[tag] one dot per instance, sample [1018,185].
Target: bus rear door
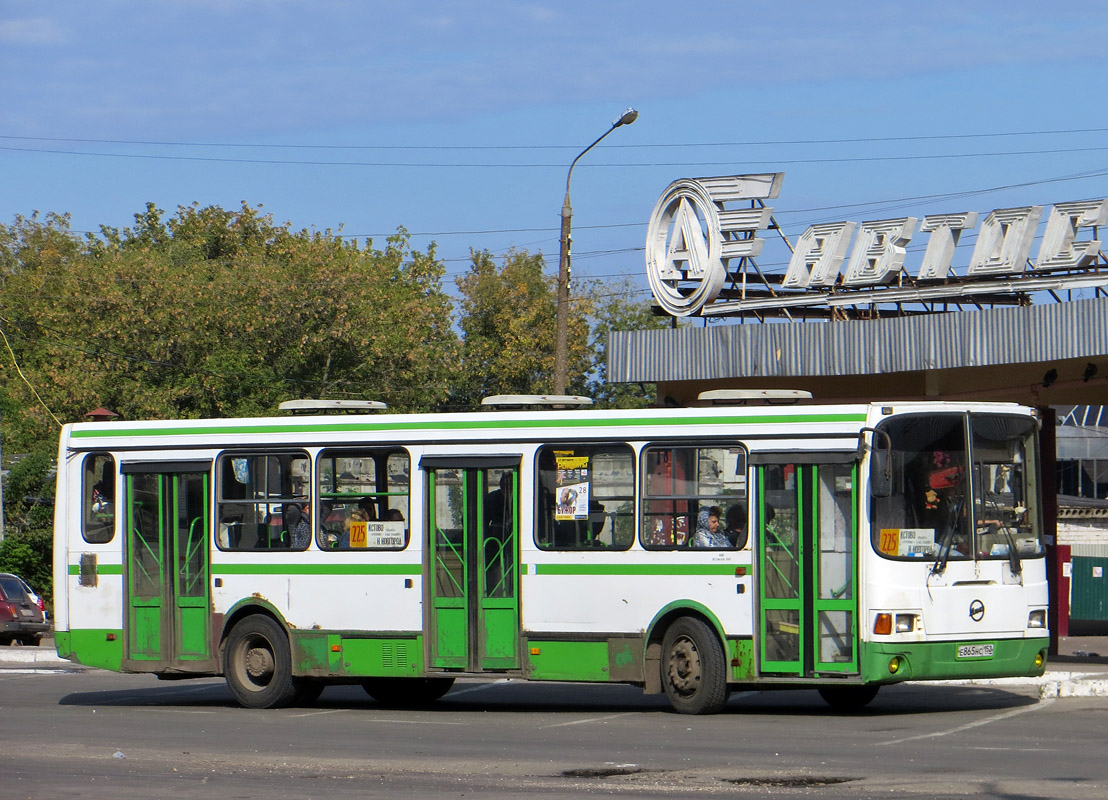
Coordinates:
[168,617]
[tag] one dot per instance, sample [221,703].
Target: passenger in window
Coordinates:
[735,525]
[498,508]
[708,533]
[396,515]
[296,525]
[364,512]
[331,527]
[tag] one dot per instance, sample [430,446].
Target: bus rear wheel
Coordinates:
[406,692]
[848,698]
[694,668]
[257,663]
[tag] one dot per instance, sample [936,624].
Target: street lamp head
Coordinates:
[628,116]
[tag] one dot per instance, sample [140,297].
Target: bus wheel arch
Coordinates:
[686,658]
[257,660]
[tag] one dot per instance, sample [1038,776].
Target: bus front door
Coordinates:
[806,544]
[473,516]
[168,623]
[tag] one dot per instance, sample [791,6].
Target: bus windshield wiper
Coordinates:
[1014,562]
[947,540]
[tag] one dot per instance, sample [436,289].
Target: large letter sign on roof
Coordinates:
[945,230]
[819,254]
[1057,249]
[879,252]
[692,235]
[1005,240]
[701,257]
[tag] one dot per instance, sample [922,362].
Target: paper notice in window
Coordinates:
[382,534]
[912,542]
[571,486]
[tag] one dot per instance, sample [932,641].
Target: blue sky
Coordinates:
[458,120]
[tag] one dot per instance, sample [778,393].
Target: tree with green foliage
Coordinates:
[507,315]
[27,547]
[214,313]
[617,310]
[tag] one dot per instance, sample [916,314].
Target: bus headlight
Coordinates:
[905,623]
[1037,619]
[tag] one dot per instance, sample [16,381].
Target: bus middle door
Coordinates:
[473,523]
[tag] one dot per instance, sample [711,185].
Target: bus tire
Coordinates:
[257,663]
[694,668]
[848,698]
[406,692]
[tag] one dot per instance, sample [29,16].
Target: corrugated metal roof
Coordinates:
[1075,329]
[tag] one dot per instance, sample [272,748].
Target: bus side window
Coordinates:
[585,497]
[363,499]
[694,497]
[253,490]
[98,498]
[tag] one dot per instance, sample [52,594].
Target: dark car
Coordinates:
[21,620]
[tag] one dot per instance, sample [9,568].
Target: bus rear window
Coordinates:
[98,498]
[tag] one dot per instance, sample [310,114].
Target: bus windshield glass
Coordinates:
[962,489]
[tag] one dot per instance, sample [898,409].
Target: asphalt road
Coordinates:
[94,734]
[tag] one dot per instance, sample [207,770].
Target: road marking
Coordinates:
[480,687]
[591,719]
[996,718]
[320,712]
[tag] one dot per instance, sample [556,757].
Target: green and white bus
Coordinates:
[688,551]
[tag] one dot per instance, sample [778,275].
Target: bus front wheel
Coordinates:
[257,663]
[694,668]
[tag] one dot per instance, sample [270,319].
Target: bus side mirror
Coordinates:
[880,474]
[881,463]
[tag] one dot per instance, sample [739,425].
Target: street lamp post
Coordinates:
[561,345]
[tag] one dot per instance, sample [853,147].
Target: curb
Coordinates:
[42,657]
[1055,683]
[1077,684]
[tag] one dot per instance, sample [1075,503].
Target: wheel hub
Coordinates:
[258,662]
[684,666]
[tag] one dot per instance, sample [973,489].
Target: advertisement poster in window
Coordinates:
[571,486]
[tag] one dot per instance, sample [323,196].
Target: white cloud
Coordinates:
[35,31]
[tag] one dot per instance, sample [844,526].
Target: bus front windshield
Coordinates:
[964,487]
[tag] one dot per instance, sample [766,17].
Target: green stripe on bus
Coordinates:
[638,569]
[101,569]
[236,427]
[316,569]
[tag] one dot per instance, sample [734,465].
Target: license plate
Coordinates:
[26,612]
[975,651]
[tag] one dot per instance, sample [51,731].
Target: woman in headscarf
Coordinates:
[708,533]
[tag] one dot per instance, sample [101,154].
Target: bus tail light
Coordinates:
[883,624]
[1037,619]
